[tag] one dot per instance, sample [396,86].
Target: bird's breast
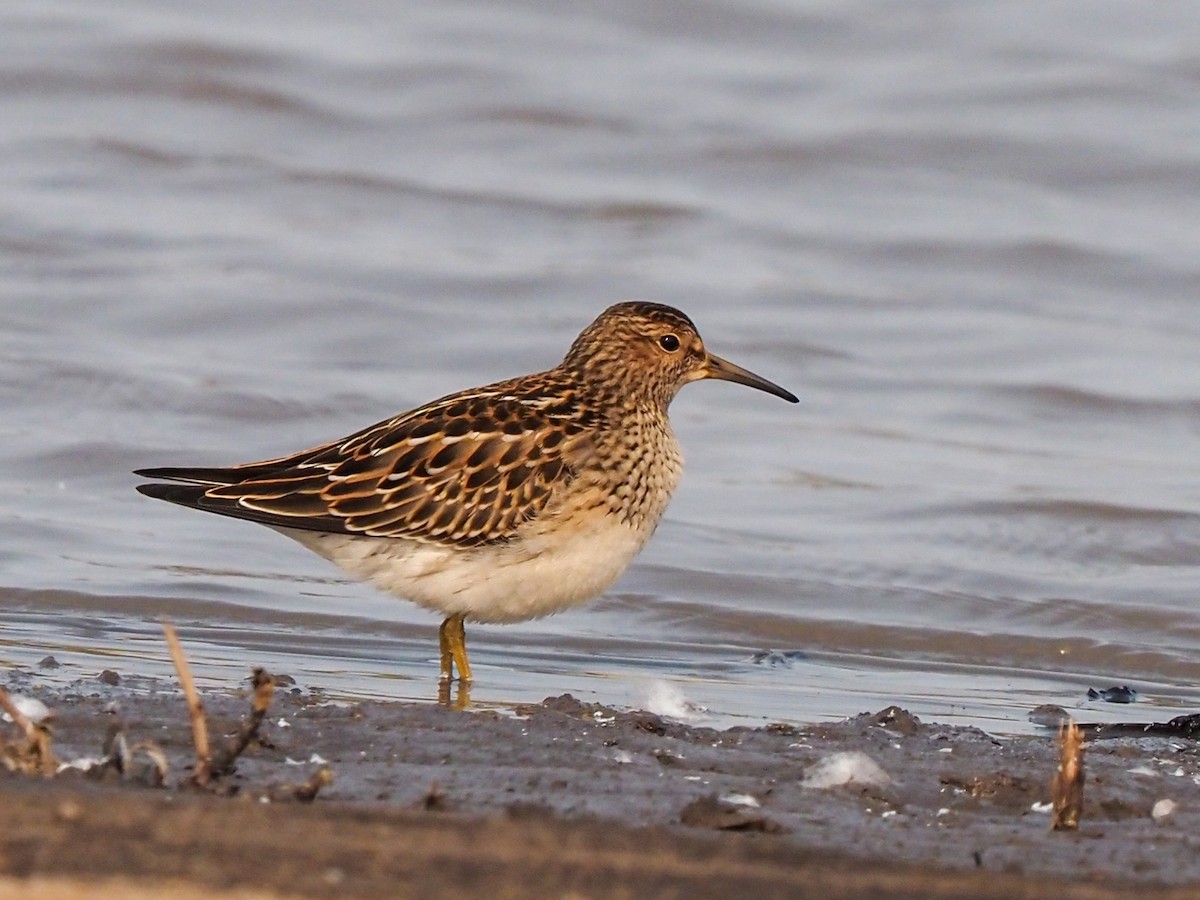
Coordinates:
[631,473]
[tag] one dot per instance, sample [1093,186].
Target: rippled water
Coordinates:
[965,234]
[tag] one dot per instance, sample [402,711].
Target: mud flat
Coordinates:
[565,799]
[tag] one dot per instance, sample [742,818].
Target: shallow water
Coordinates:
[965,235]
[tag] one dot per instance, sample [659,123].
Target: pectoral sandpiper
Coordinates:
[499,503]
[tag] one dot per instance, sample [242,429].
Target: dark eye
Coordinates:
[669,342]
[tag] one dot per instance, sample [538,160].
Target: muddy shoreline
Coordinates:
[562,797]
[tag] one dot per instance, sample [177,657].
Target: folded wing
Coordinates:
[466,470]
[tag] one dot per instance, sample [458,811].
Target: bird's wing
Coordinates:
[465,470]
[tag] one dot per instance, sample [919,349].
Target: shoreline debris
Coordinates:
[1066,787]
[211,766]
[144,762]
[34,754]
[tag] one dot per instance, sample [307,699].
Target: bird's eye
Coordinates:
[669,342]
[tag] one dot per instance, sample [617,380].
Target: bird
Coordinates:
[496,504]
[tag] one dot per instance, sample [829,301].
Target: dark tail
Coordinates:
[211,476]
[183,494]
[195,496]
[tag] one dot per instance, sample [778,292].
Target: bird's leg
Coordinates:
[446,669]
[458,646]
[462,697]
[452,638]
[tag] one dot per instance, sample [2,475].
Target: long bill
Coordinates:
[724,370]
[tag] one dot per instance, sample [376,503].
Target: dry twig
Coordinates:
[305,792]
[225,758]
[209,765]
[1066,787]
[202,773]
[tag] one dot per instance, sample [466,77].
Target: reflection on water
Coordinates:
[965,237]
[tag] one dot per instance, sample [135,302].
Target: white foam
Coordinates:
[848,767]
[741,800]
[667,700]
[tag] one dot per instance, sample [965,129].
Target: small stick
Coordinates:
[307,792]
[225,757]
[157,758]
[1066,788]
[195,708]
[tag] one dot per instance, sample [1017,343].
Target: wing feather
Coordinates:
[465,470]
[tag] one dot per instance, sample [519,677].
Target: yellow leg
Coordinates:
[452,639]
[446,669]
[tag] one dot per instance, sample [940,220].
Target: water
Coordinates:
[965,234]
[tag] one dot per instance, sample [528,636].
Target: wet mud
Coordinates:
[558,797]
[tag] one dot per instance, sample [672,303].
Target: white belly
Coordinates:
[538,575]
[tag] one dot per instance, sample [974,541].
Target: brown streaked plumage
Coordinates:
[499,503]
